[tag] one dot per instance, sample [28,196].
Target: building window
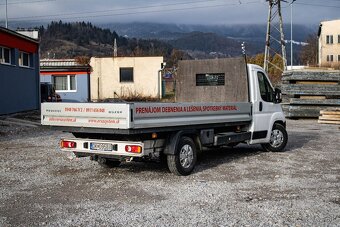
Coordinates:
[210,79]
[24,59]
[126,74]
[338,38]
[5,55]
[329,58]
[65,83]
[329,39]
[338,58]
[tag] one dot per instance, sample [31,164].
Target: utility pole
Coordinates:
[291,33]
[115,48]
[6,16]
[275,42]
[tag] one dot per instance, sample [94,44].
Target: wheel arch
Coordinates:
[173,139]
[277,118]
[280,122]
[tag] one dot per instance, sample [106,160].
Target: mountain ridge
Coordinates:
[242,31]
[199,41]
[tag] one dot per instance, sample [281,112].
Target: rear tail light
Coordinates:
[133,148]
[67,144]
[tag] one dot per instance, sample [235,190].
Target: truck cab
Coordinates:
[267,111]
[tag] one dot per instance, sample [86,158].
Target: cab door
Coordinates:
[264,108]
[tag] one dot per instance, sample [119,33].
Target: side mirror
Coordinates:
[277,95]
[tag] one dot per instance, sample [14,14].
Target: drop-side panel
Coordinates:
[142,115]
[153,115]
[92,115]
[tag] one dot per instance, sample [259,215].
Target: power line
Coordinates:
[116,10]
[49,17]
[134,13]
[23,2]
[311,4]
[332,0]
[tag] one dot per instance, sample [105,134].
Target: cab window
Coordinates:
[266,90]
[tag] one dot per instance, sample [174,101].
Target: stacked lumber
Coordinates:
[307,92]
[330,116]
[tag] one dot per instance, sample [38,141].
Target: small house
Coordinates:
[70,79]
[115,77]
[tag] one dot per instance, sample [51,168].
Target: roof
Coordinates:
[59,62]
[323,22]
[49,65]
[11,32]
[122,57]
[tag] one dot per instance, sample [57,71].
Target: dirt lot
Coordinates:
[230,187]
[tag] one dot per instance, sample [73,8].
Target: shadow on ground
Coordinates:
[297,140]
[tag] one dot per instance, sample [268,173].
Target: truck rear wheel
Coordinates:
[108,163]
[278,139]
[184,161]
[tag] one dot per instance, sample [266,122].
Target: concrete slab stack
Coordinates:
[307,92]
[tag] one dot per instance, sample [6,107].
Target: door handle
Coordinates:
[261,106]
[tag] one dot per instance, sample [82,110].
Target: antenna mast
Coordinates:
[115,48]
[6,15]
[275,38]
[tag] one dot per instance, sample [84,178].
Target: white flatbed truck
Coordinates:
[114,132]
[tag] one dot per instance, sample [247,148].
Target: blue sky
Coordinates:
[309,12]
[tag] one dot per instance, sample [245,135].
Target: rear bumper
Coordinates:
[84,148]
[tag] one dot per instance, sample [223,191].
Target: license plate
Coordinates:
[101,146]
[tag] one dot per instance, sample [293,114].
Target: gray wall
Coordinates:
[82,93]
[234,90]
[19,87]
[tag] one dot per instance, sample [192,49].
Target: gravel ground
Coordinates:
[242,186]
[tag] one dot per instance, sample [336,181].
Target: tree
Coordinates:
[309,53]
[175,56]
[257,59]
[274,73]
[83,60]
[275,70]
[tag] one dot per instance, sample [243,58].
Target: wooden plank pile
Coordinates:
[307,92]
[330,116]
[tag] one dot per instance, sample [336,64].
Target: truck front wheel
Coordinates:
[278,139]
[184,161]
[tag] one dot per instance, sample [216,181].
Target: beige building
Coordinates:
[329,42]
[113,77]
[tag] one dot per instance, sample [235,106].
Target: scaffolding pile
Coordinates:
[306,93]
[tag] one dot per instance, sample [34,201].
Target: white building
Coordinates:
[113,77]
[329,42]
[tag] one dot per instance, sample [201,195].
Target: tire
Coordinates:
[278,139]
[184,161]
[108,163]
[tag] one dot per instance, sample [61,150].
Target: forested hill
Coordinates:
[212,44]
[67,40]
[81,33]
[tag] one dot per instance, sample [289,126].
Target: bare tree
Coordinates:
[309,53]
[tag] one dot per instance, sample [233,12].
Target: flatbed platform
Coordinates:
[131,118]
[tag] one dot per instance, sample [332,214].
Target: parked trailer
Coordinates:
[114,132]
